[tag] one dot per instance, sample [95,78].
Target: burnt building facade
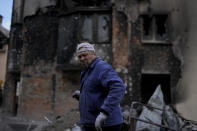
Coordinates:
[140,38]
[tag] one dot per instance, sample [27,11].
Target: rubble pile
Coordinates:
[20,124]
[50,122]
[156,116]
[67,122]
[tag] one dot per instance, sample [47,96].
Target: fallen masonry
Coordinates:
[20,124]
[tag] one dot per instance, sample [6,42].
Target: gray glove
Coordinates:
[76,94]
[99,121]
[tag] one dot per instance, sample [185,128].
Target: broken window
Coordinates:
[104,26]
[149,82]
[154,28]
[87,30]
[95,28]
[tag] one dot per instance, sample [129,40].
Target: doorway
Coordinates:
[149,82]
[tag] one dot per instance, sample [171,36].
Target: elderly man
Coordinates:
[100,93]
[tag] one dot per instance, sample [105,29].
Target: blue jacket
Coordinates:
[101,89]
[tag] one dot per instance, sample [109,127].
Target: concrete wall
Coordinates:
[186,88]
[132,57]
[3,63]
[44,89]
[17,15]
[23,8]
[183,36]
[46,92]
[32,6]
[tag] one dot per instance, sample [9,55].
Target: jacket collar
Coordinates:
[91,66]
[96,60]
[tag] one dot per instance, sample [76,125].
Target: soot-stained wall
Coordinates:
[44,87]
[135,57]
[40,35]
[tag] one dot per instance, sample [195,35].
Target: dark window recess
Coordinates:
[161,26]
[95,28]
[147,27]
[1,46]
[149,82]
[154,28]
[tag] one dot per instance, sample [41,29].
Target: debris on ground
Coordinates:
[154,115]
[67,122]
[157,116]
[20,124]
[50,122]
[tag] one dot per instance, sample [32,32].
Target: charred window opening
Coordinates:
[147,26]
[149,82]
[154,28]
[95,28]
[161,21]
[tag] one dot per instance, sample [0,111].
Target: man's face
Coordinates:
[86,57]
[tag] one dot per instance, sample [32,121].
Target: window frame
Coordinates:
[95,13]
[153,27]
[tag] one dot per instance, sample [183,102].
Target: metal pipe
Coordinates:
[149,122]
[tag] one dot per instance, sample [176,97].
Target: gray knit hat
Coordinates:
[82,47]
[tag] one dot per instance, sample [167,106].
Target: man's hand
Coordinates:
[99,121]
[76,94]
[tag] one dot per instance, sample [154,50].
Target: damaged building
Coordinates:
[148,42]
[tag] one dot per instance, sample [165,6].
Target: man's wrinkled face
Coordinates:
[86,57]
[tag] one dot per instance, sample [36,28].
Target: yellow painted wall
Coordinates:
[3,62]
